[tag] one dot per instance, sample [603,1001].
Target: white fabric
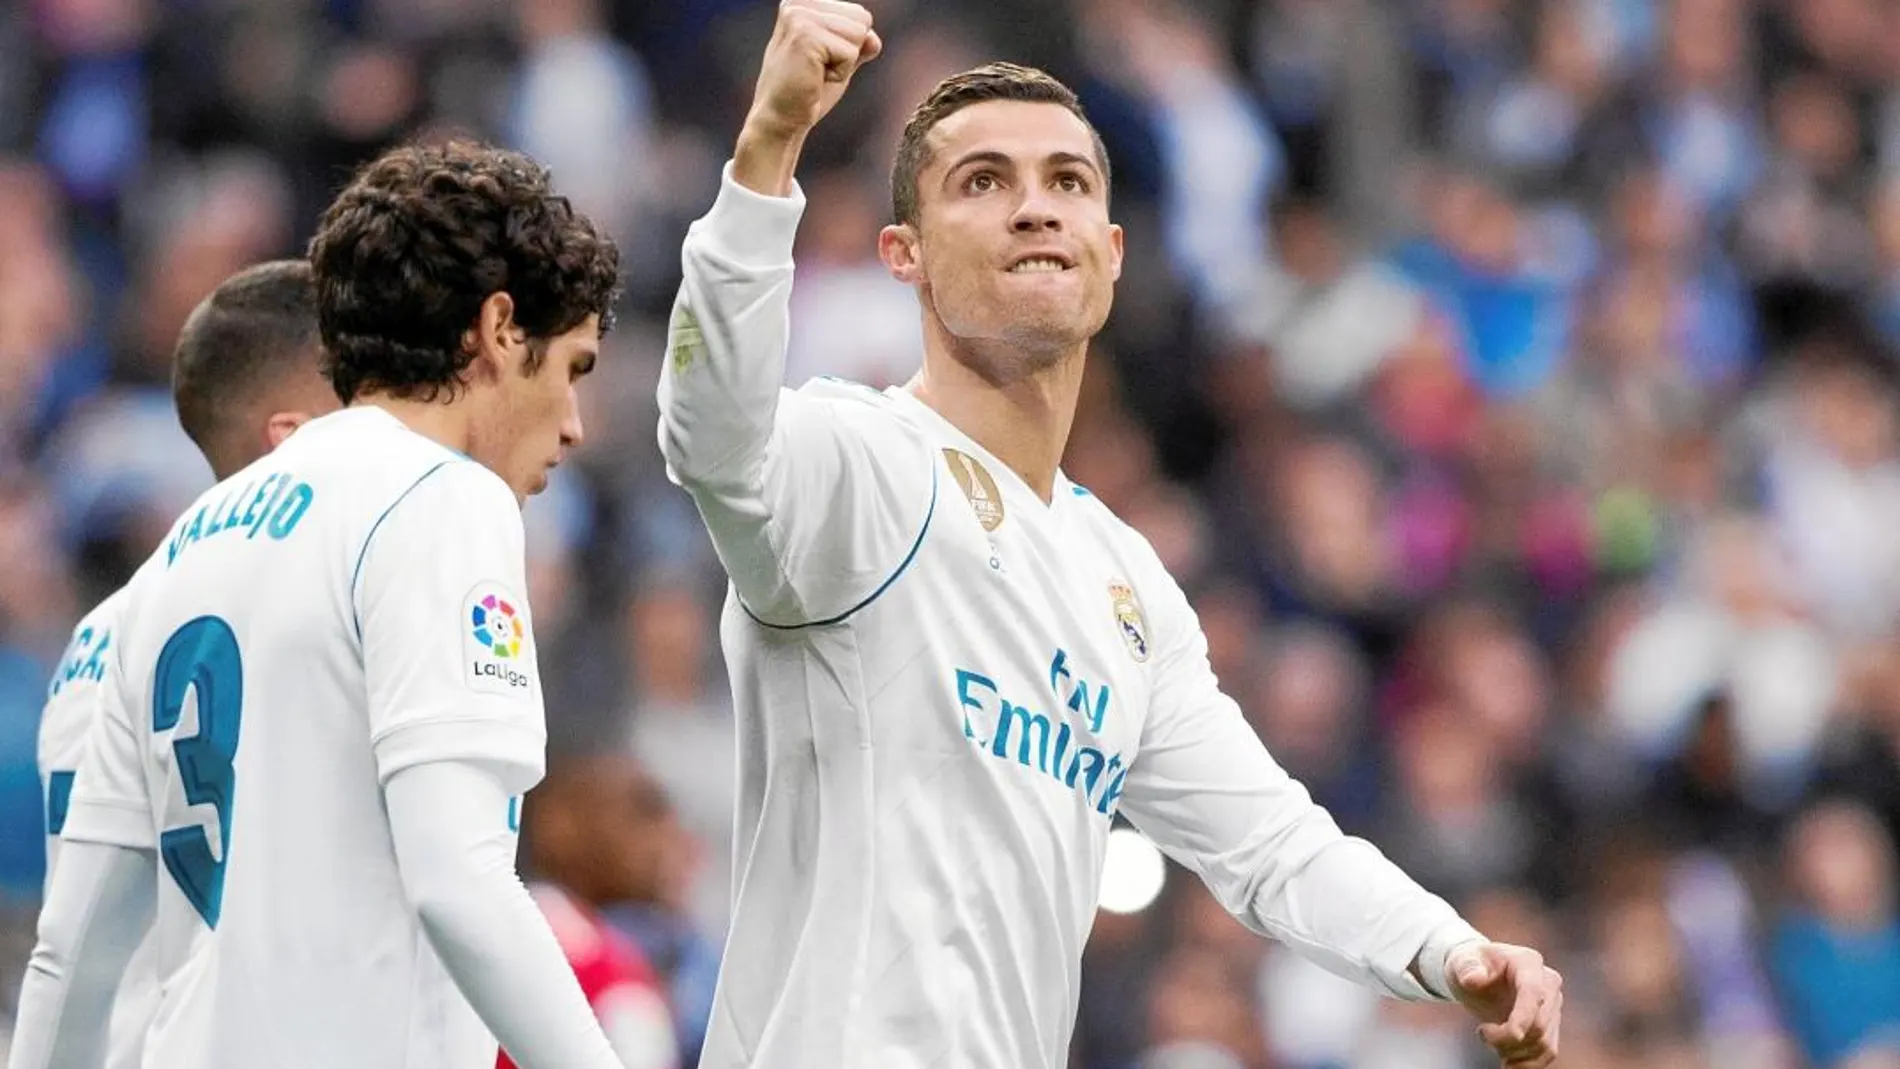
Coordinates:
[938,722]
[72,704]
[457,857]
[318,609]
[98,909]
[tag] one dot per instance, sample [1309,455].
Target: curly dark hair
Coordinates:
[991,81]
[416,242]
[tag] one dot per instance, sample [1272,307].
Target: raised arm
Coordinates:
[814,498]
[1205,790]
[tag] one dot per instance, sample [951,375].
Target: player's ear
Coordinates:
[1115,251]
[900,247]
[499,343]
[281,425]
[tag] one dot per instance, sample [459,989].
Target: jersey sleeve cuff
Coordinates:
[752,229]
[517,754]
[1435,955]
[93,820]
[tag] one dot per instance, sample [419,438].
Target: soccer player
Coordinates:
[321,704]
[244,376]
[953,667]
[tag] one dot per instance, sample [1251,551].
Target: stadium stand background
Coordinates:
[1511,383]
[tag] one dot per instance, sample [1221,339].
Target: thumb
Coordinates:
[1471,968]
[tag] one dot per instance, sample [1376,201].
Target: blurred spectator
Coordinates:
[1863,759]
[1311,706]
[1512,325]
[1325,317]
[1733,626]
[1450,821]
[683,733]
[850,318]
[582,106]
[1837,946]
[1832,481]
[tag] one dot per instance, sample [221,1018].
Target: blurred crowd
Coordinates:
[1513,384]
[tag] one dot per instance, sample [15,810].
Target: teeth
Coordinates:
[1037,265]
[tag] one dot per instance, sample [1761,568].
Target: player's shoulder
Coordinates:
[80,671]
[836,390]
[366,446]
[105,615]
[1108,527]
[376,461]
[1135,556]
[883,427]
[846,401]
[882,417]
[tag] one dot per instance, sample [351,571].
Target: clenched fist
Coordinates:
[816,47]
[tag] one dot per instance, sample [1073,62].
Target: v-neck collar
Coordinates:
[1060,489]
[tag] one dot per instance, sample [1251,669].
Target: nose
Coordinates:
[1035,213]
[572,433]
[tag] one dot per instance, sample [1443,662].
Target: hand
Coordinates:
[1517,998]
[816,46]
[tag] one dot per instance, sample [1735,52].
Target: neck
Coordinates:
[1022,421]
[448,425]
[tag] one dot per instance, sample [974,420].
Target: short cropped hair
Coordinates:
[992,81]
[423,235]
[258,325]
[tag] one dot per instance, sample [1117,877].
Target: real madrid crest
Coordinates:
[986,500]
[1128,619]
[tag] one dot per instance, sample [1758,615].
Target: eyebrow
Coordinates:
[1000,159]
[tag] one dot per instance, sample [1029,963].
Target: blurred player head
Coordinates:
[245,371]
[455,286]
[1000,198]
[603,829]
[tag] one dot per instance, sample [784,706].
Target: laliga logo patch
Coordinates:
[495,642]
[985,499]
[497,625]
[1128,619]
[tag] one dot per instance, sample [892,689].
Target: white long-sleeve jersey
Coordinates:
[320,705]
[946,690]
[73,702]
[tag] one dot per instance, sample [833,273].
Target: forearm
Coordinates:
[766,157]
[458,869]
[98,906]
[725,367]
[1342,904]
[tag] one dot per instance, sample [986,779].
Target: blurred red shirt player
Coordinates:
[614,975]
[584,857]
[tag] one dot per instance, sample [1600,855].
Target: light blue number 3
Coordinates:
[201,656]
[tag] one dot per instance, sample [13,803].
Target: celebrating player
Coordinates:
[244,375]
[321,703]
[953,667]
